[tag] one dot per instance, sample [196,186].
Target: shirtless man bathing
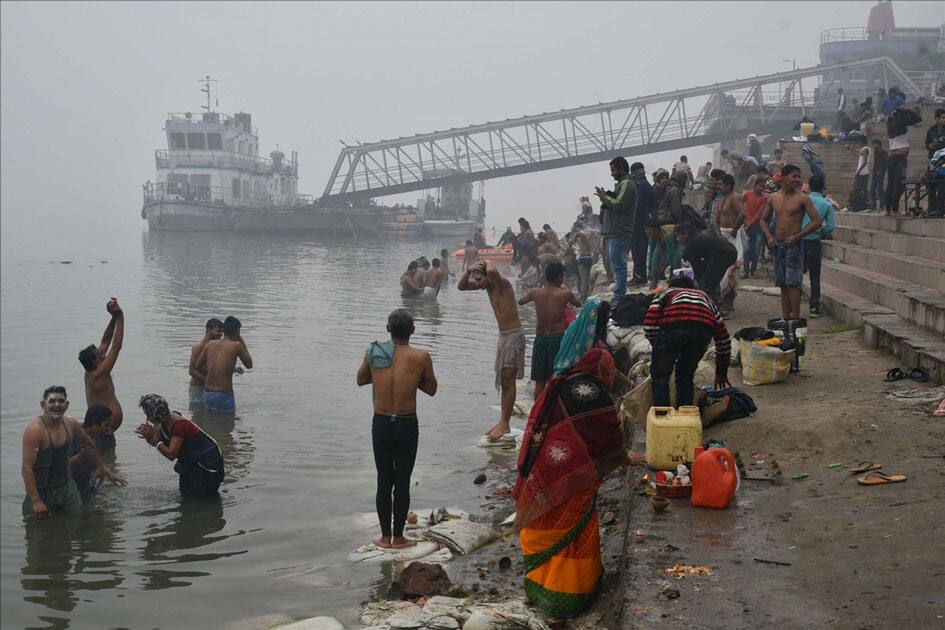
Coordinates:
[397,371]
[789,206]
[213,330]
[217,363]
[510,353]
[551,302]
[99,361]
[49,442]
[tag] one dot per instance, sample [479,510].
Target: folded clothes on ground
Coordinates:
[461,536]
[511,440]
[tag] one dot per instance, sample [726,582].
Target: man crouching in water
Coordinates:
[510,352]
[397,371]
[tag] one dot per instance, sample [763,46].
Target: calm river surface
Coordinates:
[299,457]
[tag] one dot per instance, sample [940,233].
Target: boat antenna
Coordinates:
[206,81]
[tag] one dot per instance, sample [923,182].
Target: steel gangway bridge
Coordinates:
[721,112]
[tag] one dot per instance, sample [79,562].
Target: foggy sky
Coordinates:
[86,87]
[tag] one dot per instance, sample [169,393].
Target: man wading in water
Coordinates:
[217,363]
[48,442]
[510,353]
[397,371]
[99,362]
[214,330]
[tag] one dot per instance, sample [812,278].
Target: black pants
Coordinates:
[812,262]
[638,246]
[896,167]
[678,348]
[709,276]
[395,450]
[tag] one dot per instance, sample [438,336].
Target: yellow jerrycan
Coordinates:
[672,436]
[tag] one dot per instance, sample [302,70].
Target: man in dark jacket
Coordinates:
[645,208]
[935,141]
[709,255]
[897,127]
[618,214]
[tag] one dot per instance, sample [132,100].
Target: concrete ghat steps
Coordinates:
[934,228]
[932,249]
[913,303]
[914,269]
[913,345]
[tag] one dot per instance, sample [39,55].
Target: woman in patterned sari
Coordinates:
[573,440]
[588,330]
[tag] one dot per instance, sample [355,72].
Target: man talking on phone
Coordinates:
[618,211]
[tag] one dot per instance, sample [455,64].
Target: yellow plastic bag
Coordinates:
[762,365]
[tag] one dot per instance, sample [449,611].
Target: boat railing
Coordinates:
[164,158]
[196,118]
[185,191]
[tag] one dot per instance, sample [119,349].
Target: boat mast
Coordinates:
[206,81]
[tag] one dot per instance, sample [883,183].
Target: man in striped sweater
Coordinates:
[679,324]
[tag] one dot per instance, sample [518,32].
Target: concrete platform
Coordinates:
[900,225]
[932,249]
[914,303]
[913,269]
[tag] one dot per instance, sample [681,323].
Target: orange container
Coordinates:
[714,479]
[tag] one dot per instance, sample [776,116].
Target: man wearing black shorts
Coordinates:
[397,371]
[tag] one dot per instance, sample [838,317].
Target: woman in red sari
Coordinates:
[573,440]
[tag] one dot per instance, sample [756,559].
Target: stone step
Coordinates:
[916,304]
[902,225]
[912,345]
[932,249]
[914,269]
[881,328]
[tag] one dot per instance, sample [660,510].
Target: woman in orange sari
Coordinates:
[573,440]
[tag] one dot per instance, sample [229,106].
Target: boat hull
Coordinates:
[194,216]
[464,229]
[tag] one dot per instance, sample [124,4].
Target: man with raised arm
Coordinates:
[510,353]
[397,371]
[99,361]
[217,362]
[49,442]
[789,206]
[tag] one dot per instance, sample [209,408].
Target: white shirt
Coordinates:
[899,142]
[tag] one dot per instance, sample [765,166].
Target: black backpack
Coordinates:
[631,309]
[693,218]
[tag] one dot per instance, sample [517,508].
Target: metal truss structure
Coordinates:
[720,112]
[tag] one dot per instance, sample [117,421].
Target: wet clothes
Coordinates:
[510,353]
[200,461]
[789,264]
[219,402]
[53,477]
[394,439]
[543,355]
[195,394]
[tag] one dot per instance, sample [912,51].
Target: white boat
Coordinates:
[449,227]
[211,177]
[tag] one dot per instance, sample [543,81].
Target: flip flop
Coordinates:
[919,375]
[876,478]
[863,467]
[895,374]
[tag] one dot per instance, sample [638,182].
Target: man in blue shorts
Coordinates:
[216,364]
[789,205]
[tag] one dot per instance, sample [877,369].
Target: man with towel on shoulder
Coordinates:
[397,371]
[510,354]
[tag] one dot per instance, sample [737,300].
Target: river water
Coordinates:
[299,457]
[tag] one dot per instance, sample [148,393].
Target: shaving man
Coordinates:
[397,371]
[99,361]
[789,205]
[510,352]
